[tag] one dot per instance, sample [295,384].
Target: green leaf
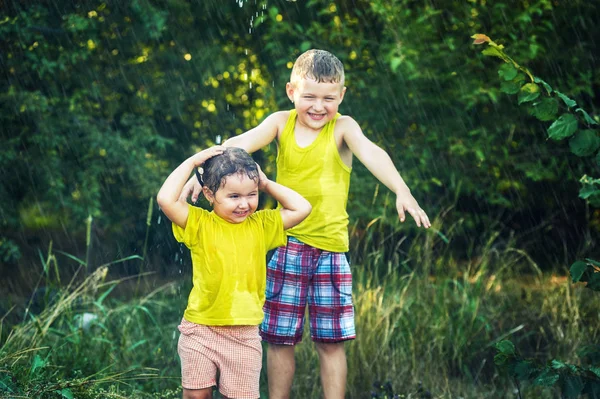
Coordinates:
[513,86]
[572,386]
[98,302]
[546,85]
[577,270]
[588,192]
[507,71]
[529,92]
[593,262]
[569,102]
[510,87]
[500,359]
[506,347]
[584,143]
[38,362]
[594,282]
[547,378]
[524,369]
[66,393]
[589,120]
[557,364]
[563,127]
[546,109]
[492,52]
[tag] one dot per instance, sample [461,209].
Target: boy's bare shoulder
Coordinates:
[345,123]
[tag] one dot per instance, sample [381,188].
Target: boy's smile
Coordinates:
[316,102]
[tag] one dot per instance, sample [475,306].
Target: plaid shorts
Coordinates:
[297,274]
[234,351]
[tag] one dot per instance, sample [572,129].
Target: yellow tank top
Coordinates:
[318,173]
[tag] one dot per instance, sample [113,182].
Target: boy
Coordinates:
[316,145]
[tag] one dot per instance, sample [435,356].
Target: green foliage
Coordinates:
[570,380]
[587,272]
[583,143]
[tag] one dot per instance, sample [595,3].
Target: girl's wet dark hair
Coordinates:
[232,161]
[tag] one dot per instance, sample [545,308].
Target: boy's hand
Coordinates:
[206,154]
[193,186]
[407,203]
[263,180]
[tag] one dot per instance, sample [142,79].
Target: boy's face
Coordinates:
[236,199]
[316,102]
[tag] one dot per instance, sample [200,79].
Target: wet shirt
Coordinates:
[318,173]
[229,265]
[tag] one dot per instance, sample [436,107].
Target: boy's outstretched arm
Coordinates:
[295,208]
[251,141]
[381,166]
[168,197]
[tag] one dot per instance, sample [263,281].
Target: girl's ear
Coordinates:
[208,195]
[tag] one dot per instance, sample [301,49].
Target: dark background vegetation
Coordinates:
[100,100]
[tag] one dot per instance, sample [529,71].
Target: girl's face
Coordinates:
[316,102]
[236,199]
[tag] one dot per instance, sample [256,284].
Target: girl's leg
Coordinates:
[205,393]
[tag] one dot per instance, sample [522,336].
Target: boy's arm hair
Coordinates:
[168,197]
[294,207]
[379,163]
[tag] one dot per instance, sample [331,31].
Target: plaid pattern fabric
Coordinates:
[234,351]
[297,275]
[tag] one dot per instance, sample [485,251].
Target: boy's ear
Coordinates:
[342,94]
[289,90]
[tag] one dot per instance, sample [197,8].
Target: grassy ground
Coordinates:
[424,331]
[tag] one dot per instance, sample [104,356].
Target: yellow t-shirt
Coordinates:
[318,173]
[229,265]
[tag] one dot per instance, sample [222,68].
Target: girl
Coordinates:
[219,330]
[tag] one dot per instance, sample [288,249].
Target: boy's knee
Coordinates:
[330,349]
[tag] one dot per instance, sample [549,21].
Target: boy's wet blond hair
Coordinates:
[320,65]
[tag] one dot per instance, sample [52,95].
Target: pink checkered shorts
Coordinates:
[234,351]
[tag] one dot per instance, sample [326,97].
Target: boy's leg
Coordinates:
[332,319]
[281,366]
[334,369]
[286,294]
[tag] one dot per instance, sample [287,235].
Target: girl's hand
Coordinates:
[206,154]
[263,180]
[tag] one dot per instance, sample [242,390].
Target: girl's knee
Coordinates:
[205,393]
